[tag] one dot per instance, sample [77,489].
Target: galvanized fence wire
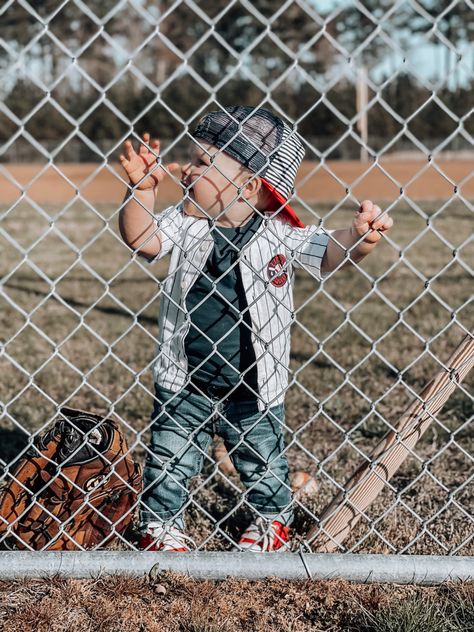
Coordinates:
[347,71]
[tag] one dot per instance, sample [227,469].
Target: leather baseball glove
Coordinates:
[75,488]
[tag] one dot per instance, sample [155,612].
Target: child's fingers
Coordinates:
[370,221]
[383,224]
[363,218]
[129,150]
[155,148]
[380,217]
[362,222]
[149,146]
[173,166]
[368,211]
[123,161]
[378,213]
[143,146]
[366,206]
[372,214]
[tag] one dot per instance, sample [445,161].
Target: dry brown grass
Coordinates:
[81,330]
[177,603]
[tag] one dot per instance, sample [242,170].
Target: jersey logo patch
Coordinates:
[274,270]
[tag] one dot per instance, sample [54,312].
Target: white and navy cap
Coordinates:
[261,142]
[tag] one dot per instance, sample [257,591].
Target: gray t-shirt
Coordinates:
[215,312]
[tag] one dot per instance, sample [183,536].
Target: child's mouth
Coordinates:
[188,187]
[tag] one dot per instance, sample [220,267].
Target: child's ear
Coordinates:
[251,187]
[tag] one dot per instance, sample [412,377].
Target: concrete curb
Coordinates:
[401,569]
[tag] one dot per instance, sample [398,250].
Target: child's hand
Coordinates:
[142,168]
[371,222]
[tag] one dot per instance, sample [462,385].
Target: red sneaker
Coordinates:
[263,536]
[165,539]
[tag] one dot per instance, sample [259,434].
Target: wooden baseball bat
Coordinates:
[345,510]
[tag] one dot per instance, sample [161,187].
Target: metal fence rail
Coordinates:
[79,314]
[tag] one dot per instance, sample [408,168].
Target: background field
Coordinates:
[79,322]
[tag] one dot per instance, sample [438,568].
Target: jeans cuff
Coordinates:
[285,516]
[147,517]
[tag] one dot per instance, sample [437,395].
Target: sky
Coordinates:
[430,61]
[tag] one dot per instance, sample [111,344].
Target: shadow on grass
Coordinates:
[72,302]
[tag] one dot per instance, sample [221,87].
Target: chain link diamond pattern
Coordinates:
[80,314]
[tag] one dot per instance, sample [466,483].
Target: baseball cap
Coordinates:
[261,142]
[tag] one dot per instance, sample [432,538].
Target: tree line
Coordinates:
[96,72]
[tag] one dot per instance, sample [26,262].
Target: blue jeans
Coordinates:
[181,433]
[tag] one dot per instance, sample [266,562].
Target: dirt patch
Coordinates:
[328,182]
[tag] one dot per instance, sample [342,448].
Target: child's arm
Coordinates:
[370,222]
[136,222]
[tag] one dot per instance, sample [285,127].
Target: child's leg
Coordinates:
[255,443]
[180,437]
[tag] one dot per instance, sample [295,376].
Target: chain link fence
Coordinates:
[79,315]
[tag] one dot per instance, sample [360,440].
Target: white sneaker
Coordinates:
[262,535]
[160,537]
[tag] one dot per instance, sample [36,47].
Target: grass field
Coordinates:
[79,322]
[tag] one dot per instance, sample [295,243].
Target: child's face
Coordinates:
[212,179]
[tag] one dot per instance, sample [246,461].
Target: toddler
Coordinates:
[226,311]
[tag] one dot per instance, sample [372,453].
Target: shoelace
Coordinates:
[263,534]
[171,537]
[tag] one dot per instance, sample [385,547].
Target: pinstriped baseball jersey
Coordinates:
[266,265]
